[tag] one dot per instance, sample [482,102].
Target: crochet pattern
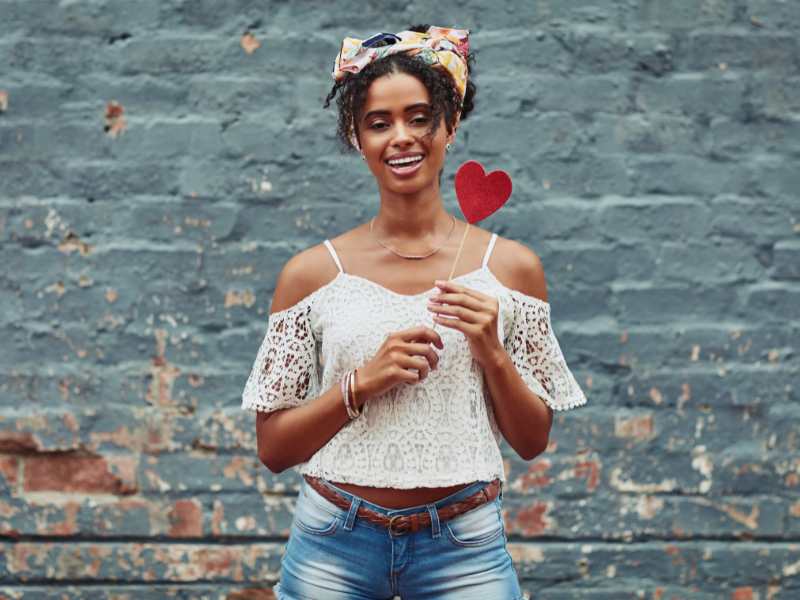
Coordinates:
[412,435]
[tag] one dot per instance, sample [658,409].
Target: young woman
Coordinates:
[391,395]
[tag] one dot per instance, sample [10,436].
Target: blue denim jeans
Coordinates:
[333,555]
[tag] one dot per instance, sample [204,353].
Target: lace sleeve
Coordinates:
[285,370]
[534,350]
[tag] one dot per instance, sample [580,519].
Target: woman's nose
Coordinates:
[402,134]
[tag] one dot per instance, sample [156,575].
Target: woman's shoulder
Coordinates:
[518,267]
[303,274]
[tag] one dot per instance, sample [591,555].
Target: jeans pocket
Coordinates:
[476,527]
[312,515]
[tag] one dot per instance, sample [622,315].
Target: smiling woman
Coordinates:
[402,488]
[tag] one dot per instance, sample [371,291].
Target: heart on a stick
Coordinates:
[479,194]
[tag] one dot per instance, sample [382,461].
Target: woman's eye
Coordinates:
[377,125]
[420,120]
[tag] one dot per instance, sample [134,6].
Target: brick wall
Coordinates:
[161,160]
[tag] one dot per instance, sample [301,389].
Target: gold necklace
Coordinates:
[452,227]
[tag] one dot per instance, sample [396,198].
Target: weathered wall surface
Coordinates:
[160,160]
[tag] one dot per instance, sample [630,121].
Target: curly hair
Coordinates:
[445,98]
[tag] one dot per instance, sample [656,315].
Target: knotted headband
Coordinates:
[439,46]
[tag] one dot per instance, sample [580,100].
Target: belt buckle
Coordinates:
[394,523]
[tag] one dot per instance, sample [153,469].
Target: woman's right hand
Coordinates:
[405,356]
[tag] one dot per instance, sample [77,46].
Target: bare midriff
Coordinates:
[397,498]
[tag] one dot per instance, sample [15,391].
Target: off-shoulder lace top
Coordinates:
[438,432]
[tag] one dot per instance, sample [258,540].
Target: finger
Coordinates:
[432,337]
[450,286]
[421,365]
[452,323]
[426,351]
[465,314]
[423,334]
[457,297]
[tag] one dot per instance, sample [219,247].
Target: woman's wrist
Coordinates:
[362,388]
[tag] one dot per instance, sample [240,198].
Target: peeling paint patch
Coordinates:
[533,520]
[72,243]
[56,288]
[87,474]
[249,42]
[748,520]
[639,427]
[115,119]
[648,506]
[163,374]
[186,518]
[701,462]
[237,298]
[666,485]
[535,477]
[656,396]
[589,470]
[744,593]
[792,569]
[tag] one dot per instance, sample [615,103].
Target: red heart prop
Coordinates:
[479,194]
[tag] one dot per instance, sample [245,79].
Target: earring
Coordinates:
[448,147]
[363,156]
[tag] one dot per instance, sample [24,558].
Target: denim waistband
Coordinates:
[454,497]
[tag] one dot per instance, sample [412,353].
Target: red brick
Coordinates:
[87,474]
[17,441]
[251,594]
[532,520]
[186,519]
[9,465]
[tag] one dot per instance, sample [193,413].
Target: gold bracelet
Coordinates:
[356,412]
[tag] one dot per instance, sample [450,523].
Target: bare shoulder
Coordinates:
[302,275]
[518,267]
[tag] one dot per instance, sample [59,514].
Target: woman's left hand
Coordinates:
[472,313]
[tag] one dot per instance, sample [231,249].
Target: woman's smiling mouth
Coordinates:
[405,165]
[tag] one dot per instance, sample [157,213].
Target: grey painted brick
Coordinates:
[787,260]
[653,148]
[708,50]
[692,93]
[679,15]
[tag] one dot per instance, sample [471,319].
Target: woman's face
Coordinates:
[393,123]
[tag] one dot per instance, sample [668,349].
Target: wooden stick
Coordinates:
[455,262]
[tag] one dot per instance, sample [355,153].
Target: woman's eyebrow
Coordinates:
[408,108]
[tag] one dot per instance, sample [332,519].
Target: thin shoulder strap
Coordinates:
[489,249]
[334,255]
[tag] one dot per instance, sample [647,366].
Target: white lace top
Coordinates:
[435,433]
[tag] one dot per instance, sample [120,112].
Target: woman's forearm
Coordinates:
[522,416]
[291,436]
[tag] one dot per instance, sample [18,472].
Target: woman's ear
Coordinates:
[452,135]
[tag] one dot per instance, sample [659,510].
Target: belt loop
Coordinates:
[435,530]
[351,515]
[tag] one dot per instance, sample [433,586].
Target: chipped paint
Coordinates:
[647,506]
[249,42]
[701,462]
[533,520]
[115,123]
[239,298]
[162,373]
[619,484]
[637,427]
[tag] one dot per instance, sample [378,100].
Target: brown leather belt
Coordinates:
[400,524]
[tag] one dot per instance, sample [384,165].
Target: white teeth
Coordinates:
[404,161]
